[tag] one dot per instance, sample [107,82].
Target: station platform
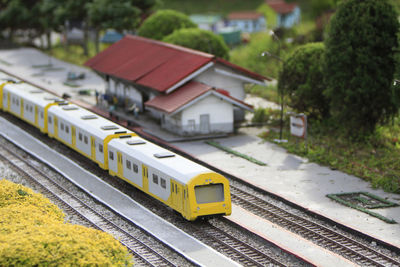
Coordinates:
[193,250]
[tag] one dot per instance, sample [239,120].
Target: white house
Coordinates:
[247,21]
[189,91]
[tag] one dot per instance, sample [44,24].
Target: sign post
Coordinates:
[298,126]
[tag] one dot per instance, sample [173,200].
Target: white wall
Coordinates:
[221,112]
[233,85]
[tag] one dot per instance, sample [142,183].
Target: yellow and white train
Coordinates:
[187,187]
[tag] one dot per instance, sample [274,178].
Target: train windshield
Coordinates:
[209,193]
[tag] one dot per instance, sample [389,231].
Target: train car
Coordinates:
[185,186]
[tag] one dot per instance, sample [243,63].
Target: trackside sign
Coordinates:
[298,125]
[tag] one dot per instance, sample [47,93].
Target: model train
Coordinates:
[185,186]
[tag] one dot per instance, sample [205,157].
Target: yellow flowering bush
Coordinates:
[32,233]
[61,245]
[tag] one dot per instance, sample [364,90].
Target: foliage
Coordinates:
[268,92]
[32,233]
[164,23]
[61,245]
[359,64]
[198,39]
[211,6]
[249,55]
[318,7]
[266,115]
[301,79]
[270,15]
[115,14]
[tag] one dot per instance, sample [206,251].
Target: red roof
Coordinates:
[147,62]
[244,15]
[186,94]
[281,7]
[154,64]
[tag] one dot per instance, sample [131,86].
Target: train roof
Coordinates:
[31,93]
[160,158]
[96,125]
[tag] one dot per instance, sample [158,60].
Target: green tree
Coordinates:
[19,14]
[301,79]
[359,64]
[115,14]
[163,23]
[198,39]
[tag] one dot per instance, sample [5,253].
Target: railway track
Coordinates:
[234,248]
[319,234]
[143,254]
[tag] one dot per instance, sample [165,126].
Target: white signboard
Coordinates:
[298,125]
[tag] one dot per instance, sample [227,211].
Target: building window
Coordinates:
[100,148]
[155,178]
[128,164]
[111,155]
[163,183]
[85,138]
[135,168]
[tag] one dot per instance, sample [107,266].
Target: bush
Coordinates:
[301,79]
[61,245]
[32,233]
[198,39]
[163,23]
[359,64]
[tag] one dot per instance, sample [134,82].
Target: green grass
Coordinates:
[374,158]
[210,6]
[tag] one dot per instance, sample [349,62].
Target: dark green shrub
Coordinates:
[163,23]
[301,79]
[359,64]
[198,39]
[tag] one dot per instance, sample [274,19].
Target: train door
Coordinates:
[93,150]
[120,164]
[176,192]
[22,108]
[55,126]
[73,133]
[36,117]
[145,176]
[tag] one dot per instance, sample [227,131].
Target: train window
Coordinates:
[135,168]
[41,114]
[109,127]
[163,183]
[50,120]
[89,117]
[17,102]
[80,137]
[111,155]
[85,139]
[172,188]
[128,164]
[26,107]
[66,129]
[155,178]
[100,148]
[62,127]
[135,142]
[31,108]
[209,193]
